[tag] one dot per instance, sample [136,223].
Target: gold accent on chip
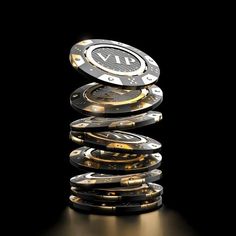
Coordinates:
[119,145]
[95,108]
[88,95]
[85,42]
[76,60]
[75,139]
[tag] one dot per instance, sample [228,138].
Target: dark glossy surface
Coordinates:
[162,222]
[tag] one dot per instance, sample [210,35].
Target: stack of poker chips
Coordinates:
[118,168]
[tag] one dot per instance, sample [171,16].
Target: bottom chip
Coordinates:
[120,194]
[109,208]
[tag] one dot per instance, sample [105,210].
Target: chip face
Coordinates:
[114,63]
[102,100]
[85,159]
[93,180]
[117,141]
[94,123]
[114,208]
[119,194]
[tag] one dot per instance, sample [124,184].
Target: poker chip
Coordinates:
[101,100]
[120,194]
[117,141]
[94,180]
[114,63]
[86,159]
[109,208]
[93,123]
[106,156]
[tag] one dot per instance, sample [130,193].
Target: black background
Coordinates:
[185,50]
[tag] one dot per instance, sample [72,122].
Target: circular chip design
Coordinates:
[85,159]
[141,193]
[94,123]
[109,208]
[114,63]
[117,141]
[101,100]
[94,180]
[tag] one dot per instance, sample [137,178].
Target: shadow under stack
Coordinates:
[118,167]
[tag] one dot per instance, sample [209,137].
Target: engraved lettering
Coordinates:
[128,60]
[103,58]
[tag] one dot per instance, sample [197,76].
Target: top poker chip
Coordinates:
[114,63]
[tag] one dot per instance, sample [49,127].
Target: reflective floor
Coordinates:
[163,222]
